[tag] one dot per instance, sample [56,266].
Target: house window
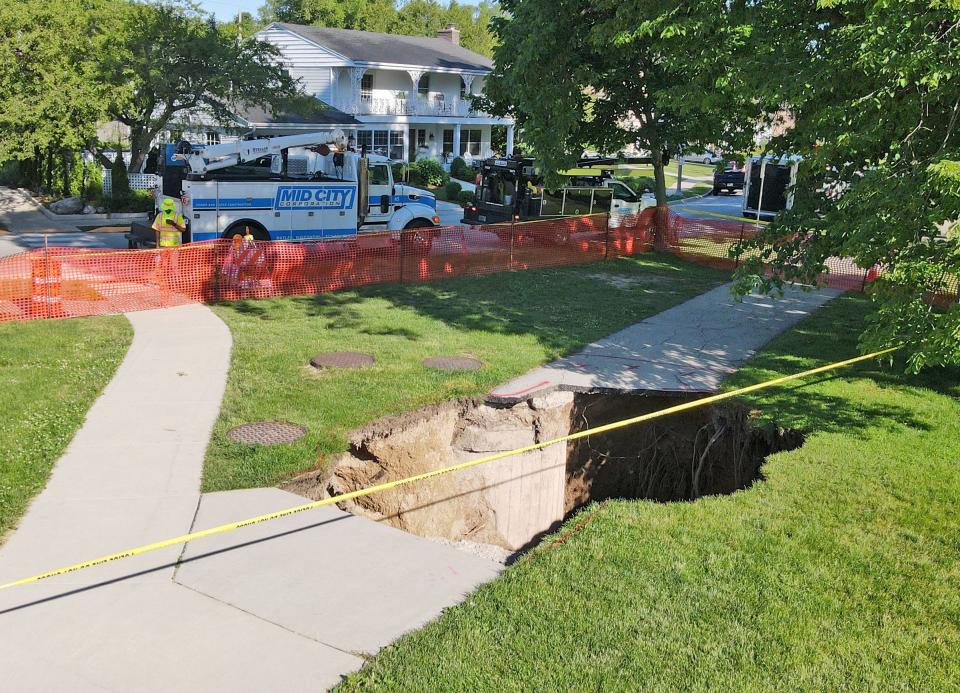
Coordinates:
[463,89]
[381,141]
[447,142]
[423,86]
[396,145]
[366,86]
[421,138]
[365,140]
[212,138]
[470,141]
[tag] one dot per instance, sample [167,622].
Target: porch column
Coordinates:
[463,107]
[509,151]
[456,140]
[414,101]
[356,77]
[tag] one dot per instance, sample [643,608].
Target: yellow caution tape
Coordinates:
[220,529]
[724,216]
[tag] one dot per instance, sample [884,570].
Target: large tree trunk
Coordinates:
[140,138]
[662,217]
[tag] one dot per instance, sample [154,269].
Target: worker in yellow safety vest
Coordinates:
[169,225]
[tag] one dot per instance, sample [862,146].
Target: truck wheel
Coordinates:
[716,191]
[416,237]
[259,233]
[706,161]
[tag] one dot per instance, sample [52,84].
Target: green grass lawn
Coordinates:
[510,321]
[838,571]
[50,374]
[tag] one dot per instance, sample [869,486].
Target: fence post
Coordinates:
[606,239]
[402,243]
[46,275]
[513,233]
[216,271]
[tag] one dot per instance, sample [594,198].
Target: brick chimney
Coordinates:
[451,34]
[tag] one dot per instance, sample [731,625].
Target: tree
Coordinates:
[52,99]
[364,15]
[875,92]
[608,74]
[474,25]
[420,18]
[170,60]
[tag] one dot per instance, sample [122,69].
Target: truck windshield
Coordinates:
[379,175]
[622,192]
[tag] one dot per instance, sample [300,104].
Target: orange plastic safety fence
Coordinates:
[69,282]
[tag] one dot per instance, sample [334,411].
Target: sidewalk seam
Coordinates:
[362,656]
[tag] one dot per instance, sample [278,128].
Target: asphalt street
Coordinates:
[709,206]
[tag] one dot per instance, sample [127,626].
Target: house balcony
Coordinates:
[406,104]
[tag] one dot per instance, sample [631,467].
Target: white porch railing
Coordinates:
[431,105]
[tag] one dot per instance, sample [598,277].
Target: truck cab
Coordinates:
[296,192]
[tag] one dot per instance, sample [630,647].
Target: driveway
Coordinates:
[23,227]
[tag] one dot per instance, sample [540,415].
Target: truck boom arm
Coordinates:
[220,156]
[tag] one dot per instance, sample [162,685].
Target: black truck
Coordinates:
[510,188]
[730,178]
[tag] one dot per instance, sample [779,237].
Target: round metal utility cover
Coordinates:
[266,433]
[342,359]
[452,363]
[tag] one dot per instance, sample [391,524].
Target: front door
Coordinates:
[412,145]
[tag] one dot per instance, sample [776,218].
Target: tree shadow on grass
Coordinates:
[804,407]
[565,308]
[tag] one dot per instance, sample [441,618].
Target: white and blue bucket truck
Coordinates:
[288,188]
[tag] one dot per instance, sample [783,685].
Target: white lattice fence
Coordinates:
[138,181]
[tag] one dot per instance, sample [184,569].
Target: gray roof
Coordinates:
[371,47]
[302,114]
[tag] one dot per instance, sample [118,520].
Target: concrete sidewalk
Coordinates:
[690,348]
[289,605]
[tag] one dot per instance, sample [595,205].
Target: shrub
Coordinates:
[133,201]
[641,184]
[11,175]
[95,183]
[452,190]
[429,172]
[465,197]
[459,169]
[119,181]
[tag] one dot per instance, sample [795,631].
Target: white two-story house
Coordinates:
[406,96]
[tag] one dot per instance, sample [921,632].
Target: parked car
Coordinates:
[730,178]
[707,158]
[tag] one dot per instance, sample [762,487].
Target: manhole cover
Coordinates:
[342,359]
[452,363]
[266,433]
